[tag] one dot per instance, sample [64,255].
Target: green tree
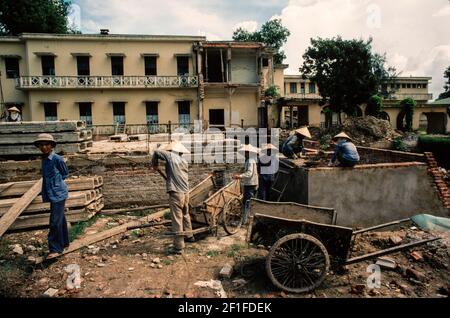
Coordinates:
[446,92]
[408,106]
[346,71]
[38,16]
[272,33]
[374,106]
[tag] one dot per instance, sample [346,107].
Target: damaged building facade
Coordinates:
[135,80]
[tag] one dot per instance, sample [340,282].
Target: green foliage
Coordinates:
[347,71]
[399,145]
[235,250]
[272,33]
[273,91]
[78,229]
[374,106]
[37,16]
[439,146]
[212,253]
[446,92]
[408,105]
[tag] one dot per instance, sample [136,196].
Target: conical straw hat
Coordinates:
[248,148]
[176,146]
[268,146]
[342,135]
[304,131]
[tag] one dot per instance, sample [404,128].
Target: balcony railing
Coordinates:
[303,95]
[103,82]
[416,96]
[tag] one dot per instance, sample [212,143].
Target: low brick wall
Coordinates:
[128,181]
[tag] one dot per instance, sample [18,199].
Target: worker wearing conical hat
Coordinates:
[249,179]
[345,153]
[267,168]
[294,144]
[177,186]
[14,115]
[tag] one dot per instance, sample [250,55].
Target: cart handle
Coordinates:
[388,251]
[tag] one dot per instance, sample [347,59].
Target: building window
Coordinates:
[424,85]
[12,67]
[119,113]
[50,111]
[312,88]
[302,88]
[403,85]
[83,68]
[182,65]
[265,62]
[117,65]
[184,117]
[150,65]
[414,85]
[152,116]
[217,117]
[408,85]
[86,113]
[293,88]
[48,65]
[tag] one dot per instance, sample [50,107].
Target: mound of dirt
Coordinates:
[363,130]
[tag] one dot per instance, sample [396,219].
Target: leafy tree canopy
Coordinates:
[37,16]
[446,92]
[272,33]
[346,71]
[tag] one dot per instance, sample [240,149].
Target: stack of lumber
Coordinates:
[70,136]
[84,201]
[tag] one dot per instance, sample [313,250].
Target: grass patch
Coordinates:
[79,228]
[235,250]
[212,253]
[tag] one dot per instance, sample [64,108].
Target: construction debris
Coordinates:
[17,139]
[74,278]
[51,292]
[386,262]
[226,271]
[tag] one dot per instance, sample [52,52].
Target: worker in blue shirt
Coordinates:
[345,153]
[294,144]
[54,190]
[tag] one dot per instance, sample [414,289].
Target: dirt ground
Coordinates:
[136,264]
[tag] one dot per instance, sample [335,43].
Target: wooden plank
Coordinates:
[15,150]
[75,199]
[42,220]
[60,137]
[41,126]
[8,219]
[12,189]
[141,208]
[97,237]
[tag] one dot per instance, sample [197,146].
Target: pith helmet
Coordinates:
[44,138]
[14,109]
[304,131]
[342,135]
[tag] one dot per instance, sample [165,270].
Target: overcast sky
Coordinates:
[415,34]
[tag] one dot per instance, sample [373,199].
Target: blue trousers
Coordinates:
[249,192]
[58,236]
[265,184]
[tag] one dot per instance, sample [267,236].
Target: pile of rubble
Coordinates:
[363,130]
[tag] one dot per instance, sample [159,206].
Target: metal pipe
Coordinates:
[381,226]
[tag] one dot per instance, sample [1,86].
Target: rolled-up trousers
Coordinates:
[181,220]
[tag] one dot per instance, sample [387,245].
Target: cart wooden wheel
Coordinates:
[297,263]
[232,216]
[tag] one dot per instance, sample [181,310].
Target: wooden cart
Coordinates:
[211,206]
[304,243]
